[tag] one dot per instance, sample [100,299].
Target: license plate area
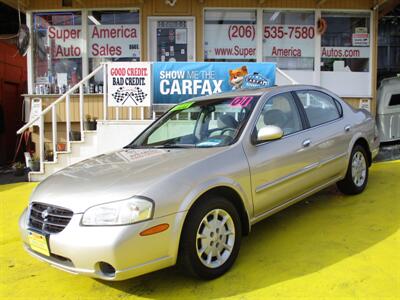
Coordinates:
[38,242]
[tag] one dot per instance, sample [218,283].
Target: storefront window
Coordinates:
[345,45]
[230,35]
[112,36]
[57,46]
[288,39]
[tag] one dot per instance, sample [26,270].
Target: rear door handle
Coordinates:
[306,143]
[347,128]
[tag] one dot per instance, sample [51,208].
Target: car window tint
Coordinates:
[281,111]
[394,100]
[320,108]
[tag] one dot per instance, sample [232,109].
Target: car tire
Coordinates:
[357,172]
[210,239]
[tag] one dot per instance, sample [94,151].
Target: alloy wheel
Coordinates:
[215,238]
[358,169]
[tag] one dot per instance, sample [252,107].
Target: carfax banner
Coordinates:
[174,82]
[129,84]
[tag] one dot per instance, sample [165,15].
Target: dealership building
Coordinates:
[330,43]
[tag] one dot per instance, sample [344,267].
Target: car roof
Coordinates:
[257,92]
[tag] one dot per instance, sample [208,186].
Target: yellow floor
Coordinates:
[327,247]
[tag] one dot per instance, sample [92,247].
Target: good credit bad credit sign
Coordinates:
[129,84]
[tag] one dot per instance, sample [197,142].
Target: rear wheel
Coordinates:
[211,238]
[357,172]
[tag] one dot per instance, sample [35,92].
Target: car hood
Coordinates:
[115,176]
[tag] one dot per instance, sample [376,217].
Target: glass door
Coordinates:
[171,39]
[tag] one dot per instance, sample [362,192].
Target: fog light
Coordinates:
[107,269]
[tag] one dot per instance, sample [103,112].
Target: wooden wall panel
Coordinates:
[187,7]
[56,4]
[181,8]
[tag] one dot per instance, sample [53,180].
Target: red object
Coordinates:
[12,84]
[61,147]
[322,26]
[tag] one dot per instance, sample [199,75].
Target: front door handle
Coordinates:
[347,128]
[306,143]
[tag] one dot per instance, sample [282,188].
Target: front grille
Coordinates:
[48,219]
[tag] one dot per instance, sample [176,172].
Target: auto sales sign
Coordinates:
[117,40]
[129,84]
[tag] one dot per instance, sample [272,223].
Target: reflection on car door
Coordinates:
[285,168]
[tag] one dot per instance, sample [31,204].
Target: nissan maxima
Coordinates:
[194,182]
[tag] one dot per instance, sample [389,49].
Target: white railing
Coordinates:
[292,81]
[67,98]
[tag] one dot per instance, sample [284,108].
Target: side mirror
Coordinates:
[269,133]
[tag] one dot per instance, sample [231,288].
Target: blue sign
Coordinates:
[174,82]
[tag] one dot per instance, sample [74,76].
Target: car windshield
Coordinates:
[207,123]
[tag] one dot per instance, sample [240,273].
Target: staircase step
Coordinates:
[63,152]
[78,151]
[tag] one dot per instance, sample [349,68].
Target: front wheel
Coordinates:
[210,238]
[357,172]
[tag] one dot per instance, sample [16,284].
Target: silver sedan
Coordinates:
[194,182]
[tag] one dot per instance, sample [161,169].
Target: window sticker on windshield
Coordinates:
[182,106]
[242,101]
[209,143]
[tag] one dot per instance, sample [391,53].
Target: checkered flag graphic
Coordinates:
[120,95]
[136,95]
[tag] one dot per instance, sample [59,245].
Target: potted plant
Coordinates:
[87,123]
[19,168]
[94,123]
[74,135]
[90,124]
[35,164]
[49,155]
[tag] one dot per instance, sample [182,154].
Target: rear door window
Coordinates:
[320,108]
[394,100]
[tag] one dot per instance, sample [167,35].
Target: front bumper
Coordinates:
[81,249]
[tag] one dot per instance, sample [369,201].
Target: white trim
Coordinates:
[85,44]
[170,18]
[317,51]
[371,42]
[29,55]
[259,35]
[82,9]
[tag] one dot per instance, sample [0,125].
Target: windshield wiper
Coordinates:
[169,145]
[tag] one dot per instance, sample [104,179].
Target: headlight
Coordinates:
[123,212]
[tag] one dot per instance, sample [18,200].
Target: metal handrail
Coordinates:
[61,98]
[286,76]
